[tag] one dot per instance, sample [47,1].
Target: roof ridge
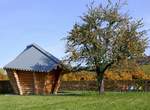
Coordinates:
[44,52]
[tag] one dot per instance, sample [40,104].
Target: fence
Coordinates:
[110,85]
[5,87]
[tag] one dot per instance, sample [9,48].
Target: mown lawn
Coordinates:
[78,101]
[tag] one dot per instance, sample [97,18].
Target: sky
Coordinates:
[46,22]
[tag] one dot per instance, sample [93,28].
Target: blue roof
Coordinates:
[34,58]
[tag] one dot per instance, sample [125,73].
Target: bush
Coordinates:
[110,75]
[78,76]
[3,75]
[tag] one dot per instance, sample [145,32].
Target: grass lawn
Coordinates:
[78,101]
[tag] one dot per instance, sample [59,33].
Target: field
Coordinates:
[1,71]
[146,69]
[78,101]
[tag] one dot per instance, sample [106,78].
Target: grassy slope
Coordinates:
[84,101]
[146,69]
[1,70]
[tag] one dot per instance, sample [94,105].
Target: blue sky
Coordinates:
[46,22]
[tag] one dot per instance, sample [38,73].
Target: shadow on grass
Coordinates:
[77,93]
[69,93]
[63,93]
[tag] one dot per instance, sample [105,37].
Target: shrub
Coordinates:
[3,75]
[110,75]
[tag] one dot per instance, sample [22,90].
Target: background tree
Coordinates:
[105,36]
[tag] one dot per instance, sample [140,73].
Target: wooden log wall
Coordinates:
[26,82]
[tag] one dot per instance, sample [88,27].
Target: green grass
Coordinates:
[78,101]
[146,69]
[1,71]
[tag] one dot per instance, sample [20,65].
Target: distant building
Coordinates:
[35,71]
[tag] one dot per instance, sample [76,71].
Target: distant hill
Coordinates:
[146,68]
[144,61]
[1,71]
[145,64]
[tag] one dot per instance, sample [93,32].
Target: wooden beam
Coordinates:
[12,81]
[57,83]
[45,84]
[18,82]
[35,87]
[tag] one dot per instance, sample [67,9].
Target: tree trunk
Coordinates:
[100,80]
[101,86]
[100,70]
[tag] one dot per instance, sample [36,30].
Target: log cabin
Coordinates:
[35,71]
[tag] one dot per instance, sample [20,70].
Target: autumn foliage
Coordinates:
[110,75]
[3,75]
